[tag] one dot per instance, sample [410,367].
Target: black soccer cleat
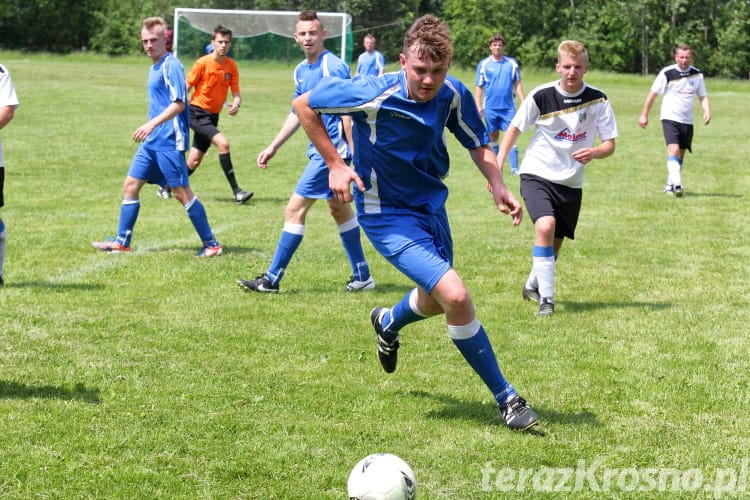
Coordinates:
[517,415]
[259,284]
[387,350]
[530,294]
[240,197]
[546,307]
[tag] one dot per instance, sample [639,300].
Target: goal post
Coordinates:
[257,34]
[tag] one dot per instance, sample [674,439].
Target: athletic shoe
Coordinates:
[360,286]
[546,307]
[514,171]
[678,191]
[669,189]
[517,415]
[530,294]
[110,246]
[241,196]
[211,250]
[259,284]
[387,350]
[164,192]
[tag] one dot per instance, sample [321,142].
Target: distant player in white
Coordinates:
[680,83]
[8,105]
[567,114]
[400,160]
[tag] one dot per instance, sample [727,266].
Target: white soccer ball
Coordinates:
[382,476]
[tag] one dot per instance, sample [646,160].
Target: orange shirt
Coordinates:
[211,82]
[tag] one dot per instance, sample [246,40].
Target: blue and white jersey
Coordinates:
[564,124]
[307,76]
[370,63]
[166,84]
[680,88]
[399,144]
[497,79]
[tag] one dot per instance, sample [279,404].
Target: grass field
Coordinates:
[151,375]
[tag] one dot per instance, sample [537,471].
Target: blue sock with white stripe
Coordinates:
[402,314]
[289,241]
[128,215]
[350,237]
[474,345]
[197,213]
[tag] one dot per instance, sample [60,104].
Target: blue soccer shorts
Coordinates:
[165,168]
[419,245]
[498,119]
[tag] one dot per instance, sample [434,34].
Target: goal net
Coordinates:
[256,34]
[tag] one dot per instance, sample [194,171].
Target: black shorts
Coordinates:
[678,133]
[204,125]
[545,198]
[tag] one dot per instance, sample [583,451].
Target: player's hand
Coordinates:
[142,132]
[233,109]
[340,179]
[506,202]
[264,157]
[584,155]
[643,121]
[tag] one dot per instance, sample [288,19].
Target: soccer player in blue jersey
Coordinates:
[160,158]
[319,63]
[400,160]
[567,115]
[681,83]
[371,61]
[498,82]
[8,105]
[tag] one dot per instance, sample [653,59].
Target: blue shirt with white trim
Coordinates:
[307,76]
[400,146]
[166,84]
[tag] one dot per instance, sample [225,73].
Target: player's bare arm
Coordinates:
[169,112]
[485,159]
[340,176]
[290,126]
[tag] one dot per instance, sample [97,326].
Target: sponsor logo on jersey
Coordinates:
[566,135]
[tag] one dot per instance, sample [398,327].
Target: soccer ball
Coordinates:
[382,476]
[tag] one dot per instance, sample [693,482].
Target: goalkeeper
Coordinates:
[211,78]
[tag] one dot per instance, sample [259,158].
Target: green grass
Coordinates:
[151,375]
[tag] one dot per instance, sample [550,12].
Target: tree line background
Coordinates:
[622,36]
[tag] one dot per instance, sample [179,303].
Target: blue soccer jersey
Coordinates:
[370,63]
[497,79]
[307,76]
[166,84]
[400,149]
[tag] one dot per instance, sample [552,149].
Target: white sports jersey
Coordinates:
[680,88]
[564,124]
[7,98]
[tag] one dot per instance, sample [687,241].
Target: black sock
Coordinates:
[226,165]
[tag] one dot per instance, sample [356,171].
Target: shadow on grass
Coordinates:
[590,306]
[54,287]
[14,390]
[460,409]
[713,195]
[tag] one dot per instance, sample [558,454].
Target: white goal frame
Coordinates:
[335,23]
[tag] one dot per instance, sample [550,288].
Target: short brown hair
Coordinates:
[497,37]
[429,37]
[221,30]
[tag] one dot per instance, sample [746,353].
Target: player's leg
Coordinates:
[290,239]
[471,340]
[143,168]
[3,234]
[350,234]
[225,160]
[174,169]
